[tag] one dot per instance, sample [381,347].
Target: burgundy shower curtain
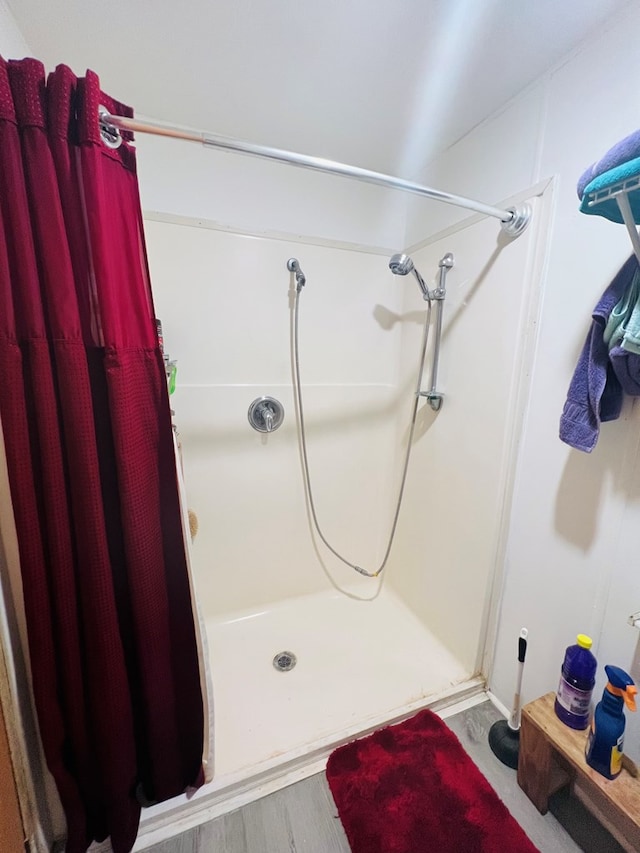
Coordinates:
[87,429]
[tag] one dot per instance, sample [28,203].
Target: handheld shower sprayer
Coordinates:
[294,266]
[401,264]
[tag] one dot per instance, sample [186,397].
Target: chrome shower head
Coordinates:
[401,264]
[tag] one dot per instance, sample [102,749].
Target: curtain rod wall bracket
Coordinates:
[513,220]
[519,221]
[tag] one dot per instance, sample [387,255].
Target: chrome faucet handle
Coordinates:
[266,414]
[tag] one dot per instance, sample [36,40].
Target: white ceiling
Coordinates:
[383,84]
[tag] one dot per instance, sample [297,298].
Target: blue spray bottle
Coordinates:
[606,734]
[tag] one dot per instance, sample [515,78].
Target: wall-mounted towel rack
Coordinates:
[619,193]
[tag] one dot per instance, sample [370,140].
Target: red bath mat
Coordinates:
[412,788]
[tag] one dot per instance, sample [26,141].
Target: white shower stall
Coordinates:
[368,651]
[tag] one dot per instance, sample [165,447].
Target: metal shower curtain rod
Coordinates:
[513,220]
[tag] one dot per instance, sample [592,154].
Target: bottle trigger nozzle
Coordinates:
[630,697]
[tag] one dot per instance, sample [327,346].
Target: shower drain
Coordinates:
[284,661]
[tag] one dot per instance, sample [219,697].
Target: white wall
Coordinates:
[570,564]
[12,42]
[451,528]
[491,164]
[244,193]
[225,303]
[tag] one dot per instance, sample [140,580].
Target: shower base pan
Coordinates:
[357,665]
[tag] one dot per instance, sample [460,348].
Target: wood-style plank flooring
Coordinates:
[303,818]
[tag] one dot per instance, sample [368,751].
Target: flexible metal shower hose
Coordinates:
[303,443]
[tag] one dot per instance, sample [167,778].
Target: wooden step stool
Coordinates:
[552,756]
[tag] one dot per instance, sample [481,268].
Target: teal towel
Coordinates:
[631,341]
[609,209]
[623,325]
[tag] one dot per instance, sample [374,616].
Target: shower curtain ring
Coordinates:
[109,133]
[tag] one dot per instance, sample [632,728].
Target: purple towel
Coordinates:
[623,151]
[626,366]
[596,389]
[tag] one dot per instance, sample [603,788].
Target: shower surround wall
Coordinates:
[224,300]
[451,533]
